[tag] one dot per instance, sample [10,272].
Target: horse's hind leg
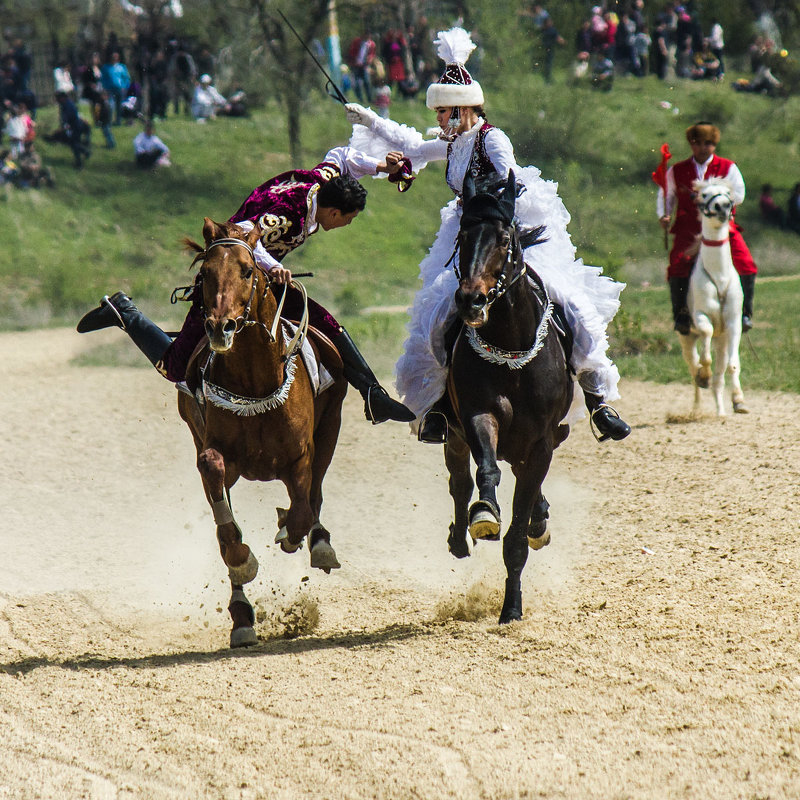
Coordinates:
[484,513]
[323,556]
[456,457]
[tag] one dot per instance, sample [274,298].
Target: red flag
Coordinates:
[660,175]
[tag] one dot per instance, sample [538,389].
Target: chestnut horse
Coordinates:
[255,414]
[509,384]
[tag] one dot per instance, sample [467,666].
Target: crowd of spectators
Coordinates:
[397,63]
[103,89]
[628,38]
[786,216]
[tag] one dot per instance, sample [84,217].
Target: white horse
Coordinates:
[715,300]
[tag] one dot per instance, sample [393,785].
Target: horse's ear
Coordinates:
[468,188]
[253,235]
[212,230]
[508,201]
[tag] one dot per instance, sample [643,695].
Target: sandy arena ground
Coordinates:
[658,657]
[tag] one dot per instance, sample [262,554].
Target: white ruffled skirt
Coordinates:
[590,301]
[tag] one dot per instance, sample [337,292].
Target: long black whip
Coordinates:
[330,87]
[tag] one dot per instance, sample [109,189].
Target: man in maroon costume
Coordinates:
[678,200]
[287,209]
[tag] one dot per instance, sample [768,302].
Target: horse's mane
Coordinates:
[699,185]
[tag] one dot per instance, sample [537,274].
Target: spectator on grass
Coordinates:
[770,211]
[640,51]
[551,39]
[30,169]
[207,102]
[717,41]
[19,129]
[149,151]
[62,79]
[793,209]
[182,72]
[73,130]
[116,81]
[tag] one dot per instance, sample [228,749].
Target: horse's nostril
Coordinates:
[478,300]
[229,326]
[209,328]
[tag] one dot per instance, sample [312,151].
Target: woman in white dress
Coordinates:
[468,143]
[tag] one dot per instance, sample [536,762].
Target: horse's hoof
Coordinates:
[701,382]
[323,556]
[538,542]
[243,637]
[740,408]
[484,521]
[510,615]
[244,573]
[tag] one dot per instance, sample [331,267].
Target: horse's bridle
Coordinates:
[705,206]
[243,319]
[503,283]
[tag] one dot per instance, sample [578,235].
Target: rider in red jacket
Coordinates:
[679,210]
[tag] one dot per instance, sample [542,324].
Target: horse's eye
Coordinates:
[247,272]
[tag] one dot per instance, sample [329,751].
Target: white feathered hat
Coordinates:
[455,87]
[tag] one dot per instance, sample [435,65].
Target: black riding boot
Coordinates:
[679,294]
[378,406]
[608,422]
[748,288]
[119,311]
[433,427]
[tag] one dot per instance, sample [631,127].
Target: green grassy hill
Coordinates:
[112,227]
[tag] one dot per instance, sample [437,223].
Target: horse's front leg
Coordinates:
[456,457]
[242,564]
[484,513]
[735,367]
[689,351]
[529,517]
[705,330]
[720,368]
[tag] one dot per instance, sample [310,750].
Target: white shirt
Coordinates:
[143,143]
[734,177]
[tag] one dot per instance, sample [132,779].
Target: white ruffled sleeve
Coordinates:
[386,134]
[353,162]
[501,152]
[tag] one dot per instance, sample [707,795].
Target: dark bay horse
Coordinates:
[261,419]
[509,385]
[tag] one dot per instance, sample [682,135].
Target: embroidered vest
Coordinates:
[280,207]
[479,162]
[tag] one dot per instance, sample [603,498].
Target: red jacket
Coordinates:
[687,224]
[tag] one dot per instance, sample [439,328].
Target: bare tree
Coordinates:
[290,67]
